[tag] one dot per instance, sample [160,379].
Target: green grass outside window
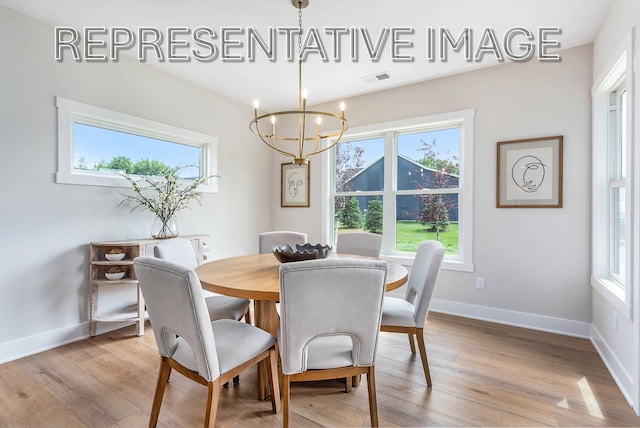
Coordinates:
[409,235]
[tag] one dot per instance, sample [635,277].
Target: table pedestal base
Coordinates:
[267,318]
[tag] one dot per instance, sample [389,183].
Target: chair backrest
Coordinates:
[280,237]
[173,295]
[328,298]
[178,250]
[422,279]
[359,243]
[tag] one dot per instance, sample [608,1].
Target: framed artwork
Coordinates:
[294,185]
[530,173]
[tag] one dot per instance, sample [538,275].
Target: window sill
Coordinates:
[111,180]
[407,260]
[613,293]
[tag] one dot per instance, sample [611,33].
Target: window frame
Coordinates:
[70,112]
[617,176]
[463,119]
[619,74]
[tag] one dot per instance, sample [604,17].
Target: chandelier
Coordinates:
[310,138]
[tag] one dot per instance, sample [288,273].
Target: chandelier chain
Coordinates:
[300,30]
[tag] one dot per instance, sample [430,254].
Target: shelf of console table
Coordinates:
[126,306]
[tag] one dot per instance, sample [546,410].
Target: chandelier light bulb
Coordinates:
[273,128]
[256,104]
[342,106]
[318,120]
[304,94]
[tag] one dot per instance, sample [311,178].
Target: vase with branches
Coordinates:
[164,195]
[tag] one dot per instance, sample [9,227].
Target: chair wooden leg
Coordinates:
[423,355]
[212,404]
[348,383]
[247,315]
[247,319]
[373,402]
[274,384]
[262,385]
[286,394]
[412,344]
[163,378]
[356,381]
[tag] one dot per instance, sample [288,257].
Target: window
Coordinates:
[409,181]
[612,183]
[617,179]
[95,145]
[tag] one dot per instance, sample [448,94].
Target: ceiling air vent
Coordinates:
[376,77]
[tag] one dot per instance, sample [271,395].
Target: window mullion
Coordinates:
[389,199]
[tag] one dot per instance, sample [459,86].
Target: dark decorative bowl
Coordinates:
[285,254]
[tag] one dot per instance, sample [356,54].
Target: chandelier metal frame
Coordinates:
[301,115]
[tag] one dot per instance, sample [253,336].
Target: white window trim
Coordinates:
[464,261]
[620,298]
[72,111]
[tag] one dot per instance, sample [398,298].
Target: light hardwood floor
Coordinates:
[483,375]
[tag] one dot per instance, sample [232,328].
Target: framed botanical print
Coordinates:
[530,173]
[294,185]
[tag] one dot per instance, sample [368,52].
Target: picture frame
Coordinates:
[294,185]
[529,173]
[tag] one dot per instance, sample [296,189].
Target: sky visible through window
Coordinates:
[447,145]
[94,145]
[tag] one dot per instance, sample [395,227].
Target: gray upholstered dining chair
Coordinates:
[330,312]
[179,250]
[207,352]
[267,240]
[359,243]
[409,315]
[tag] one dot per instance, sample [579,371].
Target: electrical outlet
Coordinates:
[480,283]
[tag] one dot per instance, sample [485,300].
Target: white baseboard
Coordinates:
[41,342]
[622,377]
[518,319]
[30,345]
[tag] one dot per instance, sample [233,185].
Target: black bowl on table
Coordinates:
[285,254]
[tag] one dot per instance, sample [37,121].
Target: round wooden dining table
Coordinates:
[256,277]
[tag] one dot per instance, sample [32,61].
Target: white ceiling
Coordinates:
[275,83]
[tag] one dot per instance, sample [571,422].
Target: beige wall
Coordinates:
[535,261]
[46,227]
